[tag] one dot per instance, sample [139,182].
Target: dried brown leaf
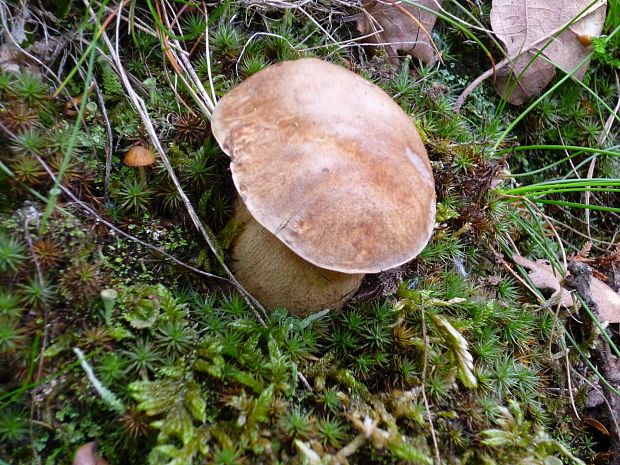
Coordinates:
[597,424]
[522,24]
[543,277]
[607,301]
[87,455]
[402,27]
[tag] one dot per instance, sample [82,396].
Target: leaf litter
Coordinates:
[399,26]
[524,26]
[544,277]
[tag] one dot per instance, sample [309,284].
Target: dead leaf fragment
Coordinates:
[543,277]
[597,424]
[401,27]
[607,301]
[87,455]
[72,107]
[526,26]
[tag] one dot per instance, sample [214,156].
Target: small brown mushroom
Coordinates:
[139,157]
[585,39]
[329,165]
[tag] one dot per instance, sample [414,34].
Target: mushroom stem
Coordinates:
[279,278]
[142,174]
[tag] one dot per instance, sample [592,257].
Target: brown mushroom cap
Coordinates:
[139,156]
[328,163]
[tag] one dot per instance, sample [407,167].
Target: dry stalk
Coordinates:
[45,338]
[108,142]
[423,381]
[140,107]
[608,124]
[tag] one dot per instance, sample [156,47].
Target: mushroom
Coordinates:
[139,157]
[335,179]
[278,277]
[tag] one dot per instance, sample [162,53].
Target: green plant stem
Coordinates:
[580,150]
[561,191]
[13,394]
[52,457]
[562,183]
[578,205]
[536,237]
[55,190]
[590,91]
[586,359]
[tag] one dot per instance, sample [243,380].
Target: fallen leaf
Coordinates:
[607,301]
[17,60]
[603,457]
[543,276]
[87,455]
[596,424]
[72,106]
[402,27]
[526,26]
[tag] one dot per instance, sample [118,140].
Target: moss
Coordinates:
[453,338]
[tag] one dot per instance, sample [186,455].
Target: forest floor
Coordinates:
[123,338]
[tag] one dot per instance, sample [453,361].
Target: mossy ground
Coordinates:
[448,359]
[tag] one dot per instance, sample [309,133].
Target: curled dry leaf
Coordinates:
[543,277]
[525,28]
[72,107]
[597,424]
[87,455]
[401,27]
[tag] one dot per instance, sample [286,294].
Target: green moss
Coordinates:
[199,379]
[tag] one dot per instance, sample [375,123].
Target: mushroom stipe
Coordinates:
[334,170]
[278,277]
